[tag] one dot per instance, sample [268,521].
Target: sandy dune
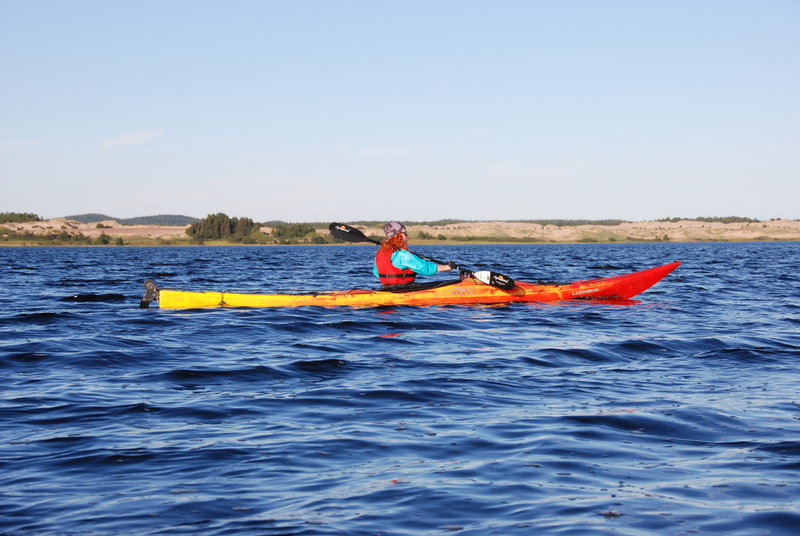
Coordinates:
[95,229]
[682,231]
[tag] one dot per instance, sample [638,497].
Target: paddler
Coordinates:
[395,265]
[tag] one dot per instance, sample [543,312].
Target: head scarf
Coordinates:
[393,227]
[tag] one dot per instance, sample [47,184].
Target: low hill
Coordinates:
[89,218]
[161,219]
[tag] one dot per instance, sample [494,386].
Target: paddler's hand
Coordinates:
[445,267]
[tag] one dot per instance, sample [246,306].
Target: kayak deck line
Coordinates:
[467,291]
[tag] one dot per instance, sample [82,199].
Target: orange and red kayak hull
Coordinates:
[468,291]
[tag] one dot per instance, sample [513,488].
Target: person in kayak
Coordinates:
[395,265]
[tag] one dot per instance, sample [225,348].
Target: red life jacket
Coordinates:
[388,273]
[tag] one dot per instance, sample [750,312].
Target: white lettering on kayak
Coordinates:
[464,291]
[587,291]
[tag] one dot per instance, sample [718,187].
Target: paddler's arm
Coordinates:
[405,259]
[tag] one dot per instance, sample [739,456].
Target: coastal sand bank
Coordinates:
[495,231]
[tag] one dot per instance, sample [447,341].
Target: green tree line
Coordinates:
[292,233]
[59,238]
[18,217]
[222,227]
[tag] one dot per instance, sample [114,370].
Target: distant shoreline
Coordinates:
[62,232]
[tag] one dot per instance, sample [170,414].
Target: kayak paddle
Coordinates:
[345,232]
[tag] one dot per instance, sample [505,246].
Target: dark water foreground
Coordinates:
[679,414]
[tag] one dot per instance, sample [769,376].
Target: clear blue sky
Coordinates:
[413,110]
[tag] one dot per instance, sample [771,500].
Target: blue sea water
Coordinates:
[678,413]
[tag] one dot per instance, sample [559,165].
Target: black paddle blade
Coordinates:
[503,282]
[342,231]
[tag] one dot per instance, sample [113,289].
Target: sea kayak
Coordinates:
[466,291]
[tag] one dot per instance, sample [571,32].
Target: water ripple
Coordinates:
[676,413]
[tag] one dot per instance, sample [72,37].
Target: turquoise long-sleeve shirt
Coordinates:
[405,259]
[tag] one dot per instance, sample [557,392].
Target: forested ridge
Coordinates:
[160,219]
